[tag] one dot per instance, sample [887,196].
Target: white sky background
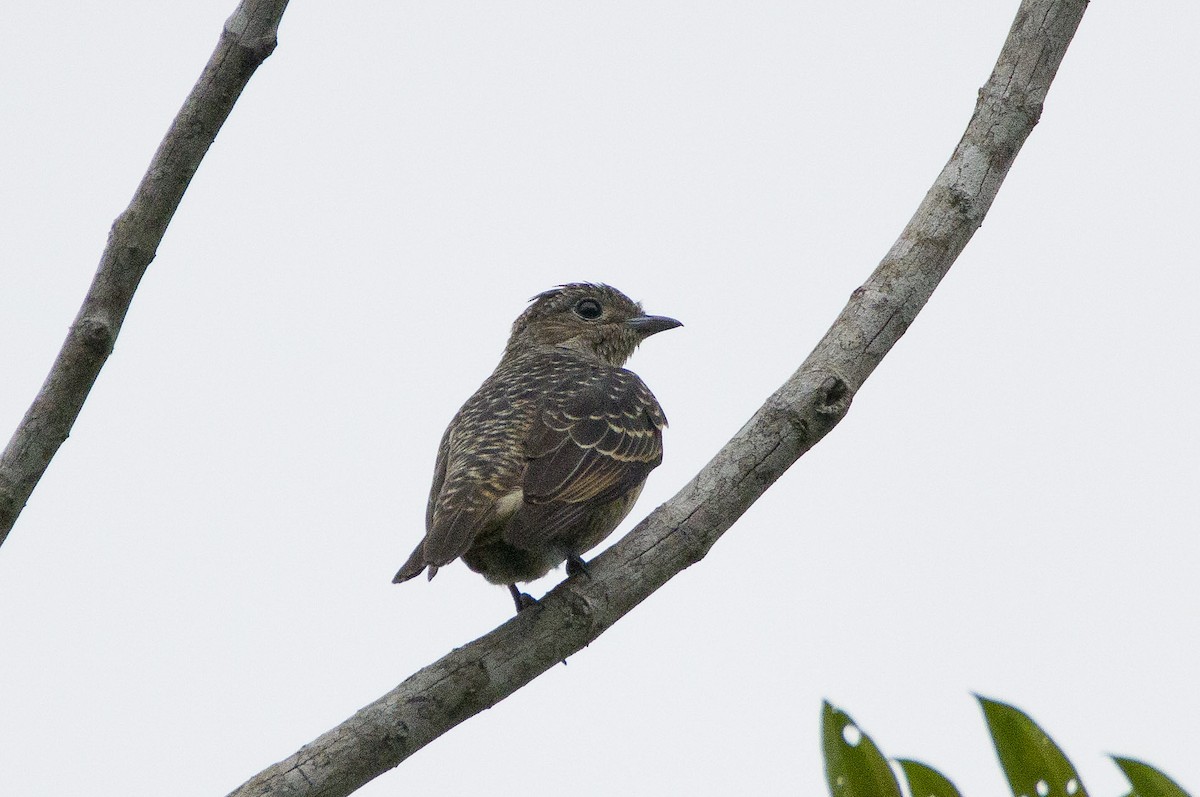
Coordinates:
[200,583]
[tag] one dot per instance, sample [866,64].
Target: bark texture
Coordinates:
[246,40]
[680,532]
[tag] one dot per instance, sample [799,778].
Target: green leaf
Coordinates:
[1148,781]
[854,767]
[925,781]
[1032,762]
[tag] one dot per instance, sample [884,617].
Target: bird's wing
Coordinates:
[478,468]
[455,532]
[417,562]
[439,477]
[584,450]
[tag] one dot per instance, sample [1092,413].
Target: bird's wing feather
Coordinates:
[439,477]
[478,466]
[417,562]
[454,533]
[586,449]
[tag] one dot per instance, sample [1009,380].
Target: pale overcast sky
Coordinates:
[201,582]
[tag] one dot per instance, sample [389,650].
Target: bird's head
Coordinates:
[595,320]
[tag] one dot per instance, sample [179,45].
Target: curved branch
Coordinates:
[246,40]
[680,532]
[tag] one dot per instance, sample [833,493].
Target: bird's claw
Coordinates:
[576,565]
[523,600]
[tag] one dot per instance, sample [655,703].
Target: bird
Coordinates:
[549,455]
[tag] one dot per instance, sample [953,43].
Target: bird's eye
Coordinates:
[589,309]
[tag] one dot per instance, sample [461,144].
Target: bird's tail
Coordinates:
[413,567]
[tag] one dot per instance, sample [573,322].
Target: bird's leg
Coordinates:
[576,565]
[523,600]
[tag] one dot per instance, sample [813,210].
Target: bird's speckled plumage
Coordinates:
[549,455]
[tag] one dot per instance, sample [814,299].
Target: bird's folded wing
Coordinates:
[454,533]
[465,500]
[585,451]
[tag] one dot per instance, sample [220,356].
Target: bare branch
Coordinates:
[246,41]
[680,532]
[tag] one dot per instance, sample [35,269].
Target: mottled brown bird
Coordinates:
[549,455]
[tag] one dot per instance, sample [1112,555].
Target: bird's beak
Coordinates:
[647,325]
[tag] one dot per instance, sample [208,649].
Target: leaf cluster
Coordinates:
[1034,765]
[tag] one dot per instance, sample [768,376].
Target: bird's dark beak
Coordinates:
[647,325]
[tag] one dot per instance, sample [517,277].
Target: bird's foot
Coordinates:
[576,565]
[523,600]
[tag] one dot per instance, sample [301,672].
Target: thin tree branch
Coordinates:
[680,532]
[246,40]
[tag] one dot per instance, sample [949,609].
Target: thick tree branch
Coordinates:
[246,41]
[680,532]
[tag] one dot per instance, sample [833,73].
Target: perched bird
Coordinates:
[549,455]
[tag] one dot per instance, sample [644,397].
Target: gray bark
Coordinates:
[680,532]
[247,39]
